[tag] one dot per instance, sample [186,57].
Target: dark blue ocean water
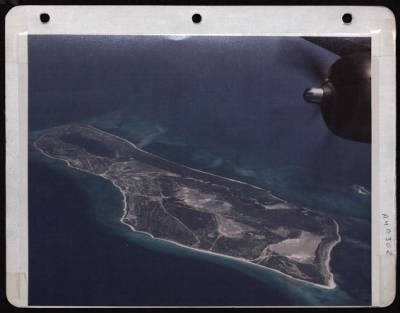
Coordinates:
[81,254]
[249,126]
[76,260]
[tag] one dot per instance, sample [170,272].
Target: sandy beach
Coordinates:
[331,283]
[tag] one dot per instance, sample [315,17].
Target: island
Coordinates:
[199,210]
[361,190]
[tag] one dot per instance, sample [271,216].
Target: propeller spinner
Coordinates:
[344,97]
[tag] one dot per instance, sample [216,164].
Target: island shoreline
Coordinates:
[331,282]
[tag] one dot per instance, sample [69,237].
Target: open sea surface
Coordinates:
[228,105]
[81,253]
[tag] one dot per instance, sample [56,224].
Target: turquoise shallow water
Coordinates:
[229,105]
[292,183]
[167,263]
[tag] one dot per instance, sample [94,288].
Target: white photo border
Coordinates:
[375,22]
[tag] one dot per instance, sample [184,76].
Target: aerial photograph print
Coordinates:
[187,170]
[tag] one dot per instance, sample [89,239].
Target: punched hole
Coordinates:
[44,18]
[196,18]
[347,18]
